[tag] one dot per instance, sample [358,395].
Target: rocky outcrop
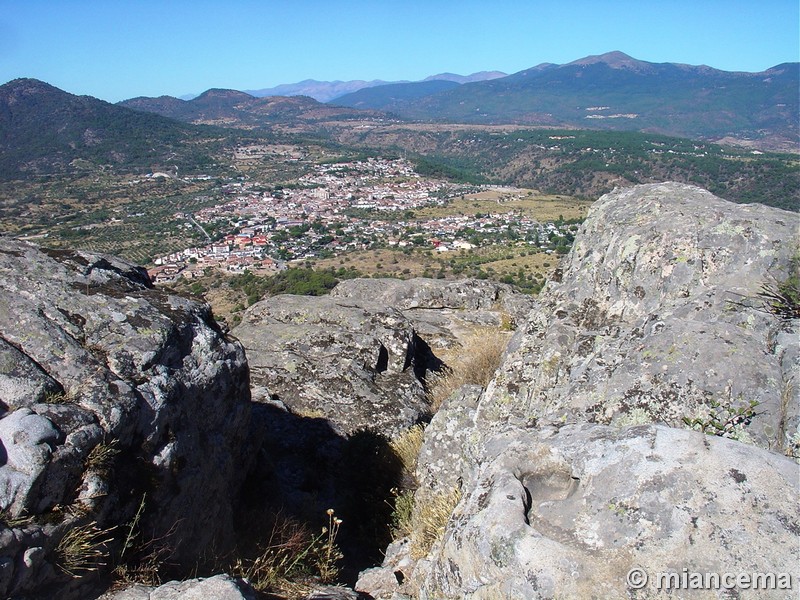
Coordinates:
[569,512]
[219,587]
[436,294]
[126,415]
[335,378]
[444,312]
[356,363]
[117,399]
[645,416]
[658,317]
[359,357]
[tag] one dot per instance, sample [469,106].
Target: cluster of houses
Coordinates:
[321,217]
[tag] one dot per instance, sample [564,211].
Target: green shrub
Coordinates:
[782,297]
[724,420]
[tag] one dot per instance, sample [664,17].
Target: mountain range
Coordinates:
[232,108]
[611,91]
[45,130]
[325,91]
[614,91]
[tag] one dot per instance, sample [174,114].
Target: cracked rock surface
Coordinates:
[585,456]
[356,363]
[111,392]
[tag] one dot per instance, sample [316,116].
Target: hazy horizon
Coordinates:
[116,51]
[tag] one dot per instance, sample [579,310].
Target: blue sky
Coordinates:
[118,49]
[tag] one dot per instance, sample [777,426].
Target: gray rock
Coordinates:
[357,364]
[390,580]
[358,357]
[219,587]
[656,317]
[567,513]
[444,458]
[115,392]
[332,592]
[22,381]
[25,447]
[444,312]
[465,294]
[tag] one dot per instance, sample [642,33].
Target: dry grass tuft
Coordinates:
[429,519]
[406,447]
[83,549]
[59,398]
[403,514]
[291,554]
[101,458]
[476,363]
[281,556]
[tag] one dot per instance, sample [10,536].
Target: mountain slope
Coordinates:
[321,91]
[44,130]
[238,109]
[393,96]
[615,91]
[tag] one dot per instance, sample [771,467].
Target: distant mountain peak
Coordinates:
[322,91]
[224,93]
[615,60]
[326,91]
[479,76]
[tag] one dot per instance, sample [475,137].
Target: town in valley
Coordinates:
[342,207]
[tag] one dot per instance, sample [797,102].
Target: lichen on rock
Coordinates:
[645,415]
[657,318]
[111,392]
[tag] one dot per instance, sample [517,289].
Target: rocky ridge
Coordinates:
[359,357]
[580,460]
[127,421]
[117,400]
[583,457]
[444,313]
[335,378]
[658,317]
[357,364]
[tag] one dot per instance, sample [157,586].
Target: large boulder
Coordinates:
[125,412]
[645,416]
[657,318]
[359,357]
[219,587]
[423,293]
[569,512]
[354,362]
[444,313]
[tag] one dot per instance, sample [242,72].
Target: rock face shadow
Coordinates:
[304,467]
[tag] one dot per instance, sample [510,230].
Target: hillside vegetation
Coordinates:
[78,172]
[589,163]
[46,131]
